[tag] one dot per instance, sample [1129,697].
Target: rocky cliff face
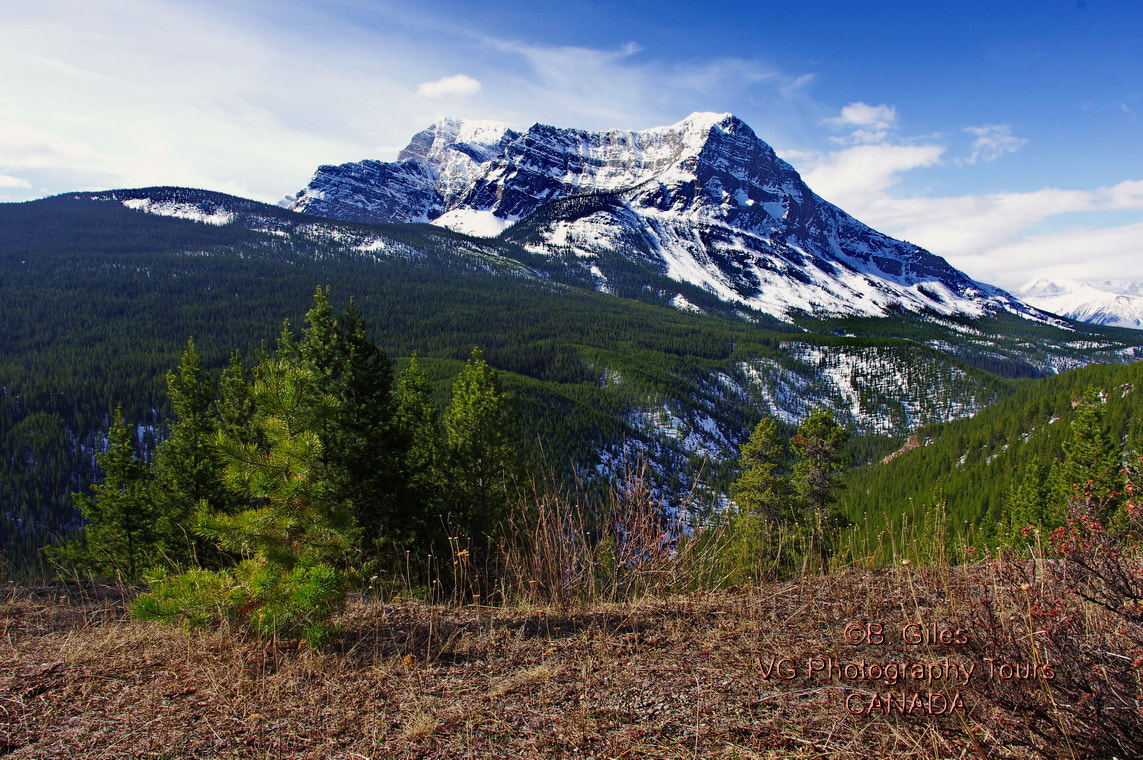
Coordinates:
[704,202]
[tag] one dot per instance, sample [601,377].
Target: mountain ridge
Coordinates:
[704,201]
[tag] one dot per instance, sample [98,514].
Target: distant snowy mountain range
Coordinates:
[1118,303]
[703,202]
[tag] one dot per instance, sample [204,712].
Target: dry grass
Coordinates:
[681,677]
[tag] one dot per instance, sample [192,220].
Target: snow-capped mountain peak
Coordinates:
[1118,303]
[704,202]
[481,140]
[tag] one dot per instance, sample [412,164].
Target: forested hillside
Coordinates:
[100,300]
[961,478]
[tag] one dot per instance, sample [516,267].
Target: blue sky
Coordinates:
[1005,136]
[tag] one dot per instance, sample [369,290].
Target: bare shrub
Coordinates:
[563,547]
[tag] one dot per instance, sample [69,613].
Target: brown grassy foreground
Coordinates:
[682,677]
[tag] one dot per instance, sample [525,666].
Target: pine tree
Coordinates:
[320,346]
[309,452]
[765,527]
[290,517]
[359,436]
[119,532]
[188,470]
[482,451]
[234,407]
[1090,470]
[763,488]
[296,539]
[364,440]
[816,476]
[422,460]
[1029,506]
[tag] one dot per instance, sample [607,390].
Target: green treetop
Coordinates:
[482,451]
[816,477]
[119,535]
[763,488]
[188,470]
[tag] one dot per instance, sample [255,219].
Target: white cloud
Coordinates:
[154,93]
[1090,254]
[1127,195]
[993,141]
[6,181]
[864,115]
[457,85]
[219,95]
[856,177]
[987,237]
[609,88]
[869,124]
[25,146]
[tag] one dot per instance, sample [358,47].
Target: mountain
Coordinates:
[1118,303]
[703,202]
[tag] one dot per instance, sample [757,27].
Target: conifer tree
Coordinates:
[320,346]
[764,529]
[816,475]
[359,436]
[308,452]
[234,407]
[1090,469]
[1029,506]
[365,440]
[290,517]
[188,470]
[763,488]
[294,536]
[419,428]
[119,535]
[482,451]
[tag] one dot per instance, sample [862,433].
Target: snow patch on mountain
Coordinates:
[473,222]
[191,211]
[697,433]
[682,304]
[877,389]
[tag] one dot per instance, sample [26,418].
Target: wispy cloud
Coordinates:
[992,141]
[226,96]
[1110,253]
[860,176]
[985,235]
[988,237]
[6,181]
[617,88]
